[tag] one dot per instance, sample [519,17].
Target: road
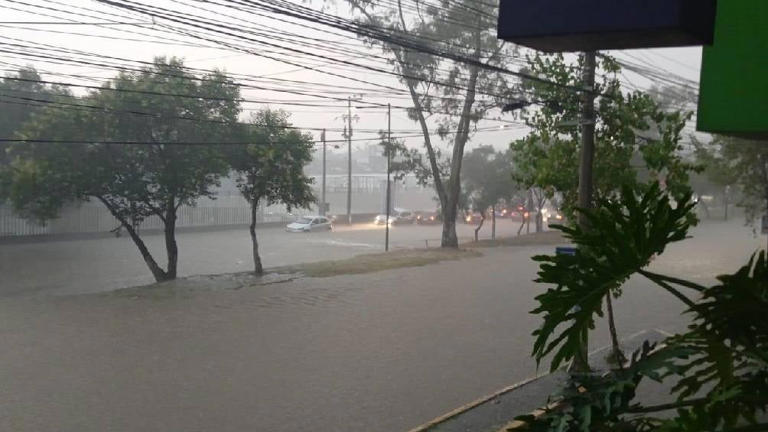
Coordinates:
[83,266]
[378,352]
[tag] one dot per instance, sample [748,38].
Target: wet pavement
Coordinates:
[92,265]
[378,352]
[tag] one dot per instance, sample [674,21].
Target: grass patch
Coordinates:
[546,238]
[378,262]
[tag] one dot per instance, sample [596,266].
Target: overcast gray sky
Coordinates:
[151,40]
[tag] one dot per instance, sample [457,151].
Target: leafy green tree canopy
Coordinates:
[161,109]
[270,170]
[637,142]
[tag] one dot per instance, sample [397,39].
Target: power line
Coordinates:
[110,23]
[352,27]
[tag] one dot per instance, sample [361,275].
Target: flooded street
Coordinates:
[378,352]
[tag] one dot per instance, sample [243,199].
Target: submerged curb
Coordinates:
[464,408]
[629,341]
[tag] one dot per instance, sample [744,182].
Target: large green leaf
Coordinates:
[623,235]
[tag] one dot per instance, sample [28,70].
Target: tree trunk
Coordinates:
[157,272]
[493,223]
[449,238]
[257,266]
[616,354]
[479,227]
[171,248]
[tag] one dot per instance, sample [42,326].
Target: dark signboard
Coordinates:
[591,25]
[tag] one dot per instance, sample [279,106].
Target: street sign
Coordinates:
[592,25]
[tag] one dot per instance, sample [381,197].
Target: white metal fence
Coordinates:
[93,219]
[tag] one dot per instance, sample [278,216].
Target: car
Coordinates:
[310,223]
[404,217]
[428,218]
[382,218]
[554,217]
[473,218]
[398,217]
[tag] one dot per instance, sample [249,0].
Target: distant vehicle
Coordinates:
[473,218]
[428,218]
[554,217]
[309,224]
[382,219]
[398,217]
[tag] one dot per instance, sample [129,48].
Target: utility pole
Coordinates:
[587,122]
[349,160]
[587,135]
[389,161]
[324,202]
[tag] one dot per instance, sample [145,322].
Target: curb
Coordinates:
[513,424]
[464,408]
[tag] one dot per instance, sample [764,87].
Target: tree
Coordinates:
[148,148]
[22,95]
[717,368]
[487,181]
[636,141]
[271,169]
[741,164]
[454,95]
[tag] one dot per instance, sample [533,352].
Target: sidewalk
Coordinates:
[491,413]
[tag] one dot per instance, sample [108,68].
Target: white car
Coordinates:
[309,224]
[381,219]
[398,217]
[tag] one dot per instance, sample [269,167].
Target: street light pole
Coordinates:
[324,202]
[389,159]
[349,160]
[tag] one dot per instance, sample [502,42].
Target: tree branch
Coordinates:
[654,276]
[402,18]
[666,286]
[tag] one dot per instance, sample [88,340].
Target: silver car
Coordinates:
[309,224]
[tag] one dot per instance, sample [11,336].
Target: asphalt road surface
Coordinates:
[379,352]
[83,266]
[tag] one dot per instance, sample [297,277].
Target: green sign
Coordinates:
[733,99]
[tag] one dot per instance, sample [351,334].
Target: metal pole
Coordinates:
[349,160]
[324,203]
[389,158]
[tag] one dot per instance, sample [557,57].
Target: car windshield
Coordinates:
[304,221]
